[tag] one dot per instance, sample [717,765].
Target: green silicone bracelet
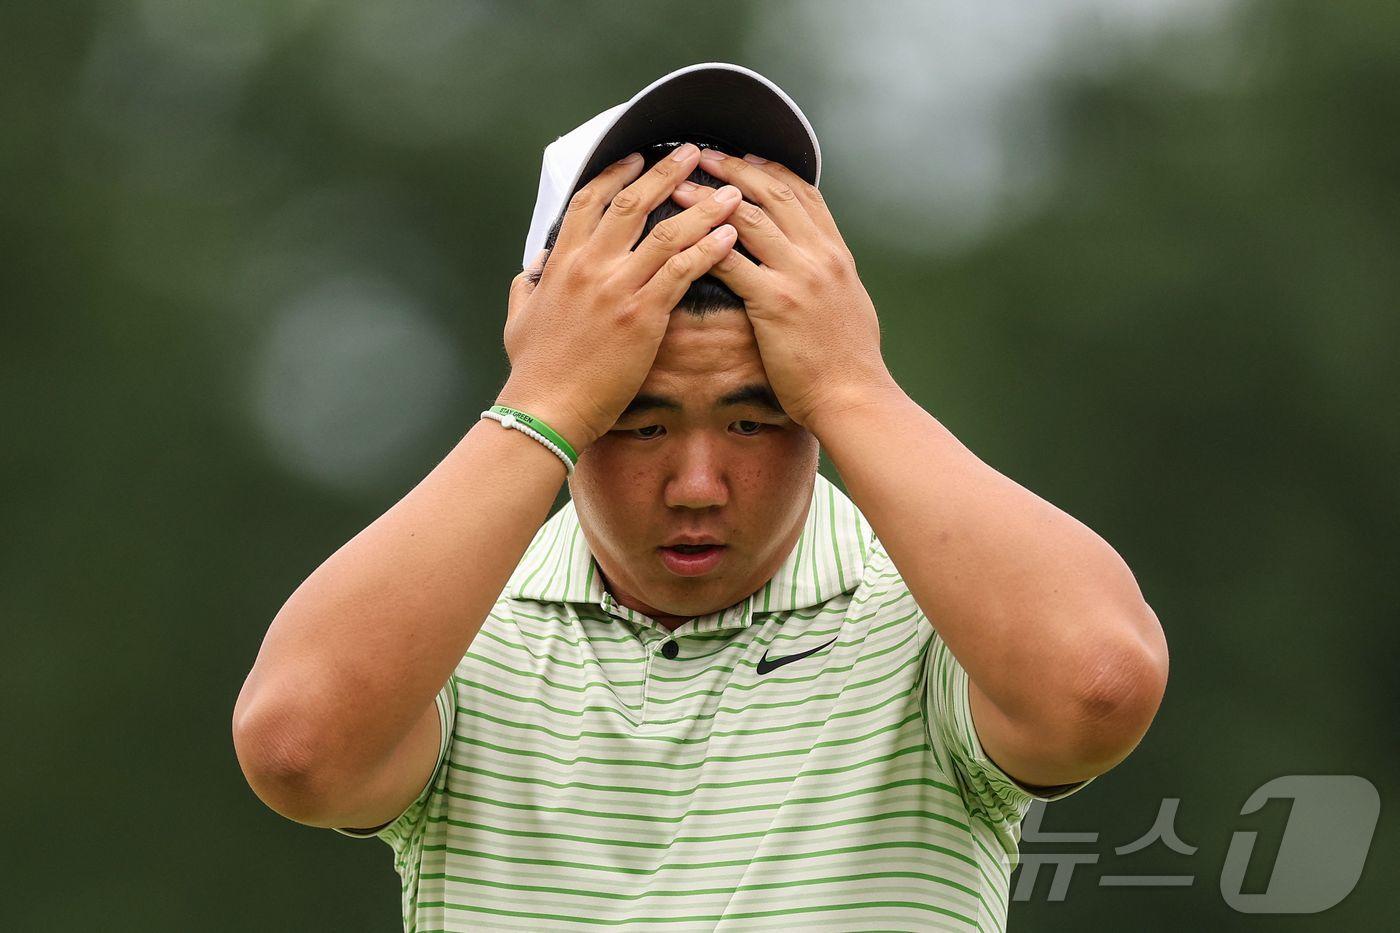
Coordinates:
[535,424]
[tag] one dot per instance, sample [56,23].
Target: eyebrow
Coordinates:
[755,394]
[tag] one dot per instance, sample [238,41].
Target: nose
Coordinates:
[697,477]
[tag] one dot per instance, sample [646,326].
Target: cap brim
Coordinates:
[724,106]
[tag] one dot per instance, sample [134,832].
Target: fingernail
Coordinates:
[683,152]
[726,194]
[725,233]
[756,160]
[686,186]
[629,159]
[711,155]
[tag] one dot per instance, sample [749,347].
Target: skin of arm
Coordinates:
[336,724]
[1067,662]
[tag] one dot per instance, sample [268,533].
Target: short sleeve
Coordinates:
[949,711]
[406,825]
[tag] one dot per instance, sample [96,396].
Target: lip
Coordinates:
[693,539]
[692,565]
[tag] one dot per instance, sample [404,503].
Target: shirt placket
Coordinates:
[666,651]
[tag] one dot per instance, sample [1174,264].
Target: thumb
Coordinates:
[524,283]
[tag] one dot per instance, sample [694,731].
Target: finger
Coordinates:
[811,198]
[757,231]
[521,286]
[678,233]
[622,223]
[668,286]
[776,197]
[743,277]
[534,269]
[586,207]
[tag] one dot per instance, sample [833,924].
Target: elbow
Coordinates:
[1118,695]
[280,759]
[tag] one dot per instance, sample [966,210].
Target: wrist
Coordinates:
[557,414]
[841,403]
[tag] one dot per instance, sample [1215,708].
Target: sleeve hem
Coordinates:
[963,686]
[446,703]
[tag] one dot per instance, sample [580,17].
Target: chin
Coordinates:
[699,598]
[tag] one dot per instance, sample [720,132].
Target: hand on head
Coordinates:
[582,329]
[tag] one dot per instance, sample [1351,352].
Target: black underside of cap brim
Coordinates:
[727,110]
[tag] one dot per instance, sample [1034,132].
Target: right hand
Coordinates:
[582,341]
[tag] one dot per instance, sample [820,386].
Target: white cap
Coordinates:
[715,104]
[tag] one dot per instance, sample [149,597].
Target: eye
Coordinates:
[749,428]
[648,431]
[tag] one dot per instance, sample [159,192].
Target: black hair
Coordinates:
[706,294]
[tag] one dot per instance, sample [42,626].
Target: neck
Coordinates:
[669,622]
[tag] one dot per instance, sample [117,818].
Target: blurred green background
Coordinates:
[255,266]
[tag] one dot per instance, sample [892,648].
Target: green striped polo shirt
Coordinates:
[597,769]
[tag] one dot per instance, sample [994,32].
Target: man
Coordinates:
[711,692]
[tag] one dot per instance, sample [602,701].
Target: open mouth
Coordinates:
[689,560]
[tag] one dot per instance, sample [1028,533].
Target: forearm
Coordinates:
[1042,613]
[360,648]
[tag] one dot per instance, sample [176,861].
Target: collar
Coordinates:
[827,560]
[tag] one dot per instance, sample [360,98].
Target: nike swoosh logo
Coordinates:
[765,665]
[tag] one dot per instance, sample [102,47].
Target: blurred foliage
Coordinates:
[1188,342]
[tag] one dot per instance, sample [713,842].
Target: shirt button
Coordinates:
[670,649]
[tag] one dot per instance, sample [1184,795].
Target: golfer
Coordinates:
[711,692]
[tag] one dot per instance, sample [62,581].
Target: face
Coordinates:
[703,454]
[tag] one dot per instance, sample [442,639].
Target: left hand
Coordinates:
[816,327]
